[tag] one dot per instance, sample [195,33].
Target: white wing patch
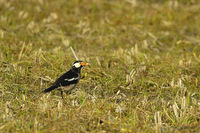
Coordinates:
[71,79]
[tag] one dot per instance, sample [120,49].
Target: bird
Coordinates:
[68,80]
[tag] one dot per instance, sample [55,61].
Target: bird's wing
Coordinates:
[67,78]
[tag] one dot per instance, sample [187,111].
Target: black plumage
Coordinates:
[68,80]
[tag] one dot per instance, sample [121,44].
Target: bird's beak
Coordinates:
[83,63]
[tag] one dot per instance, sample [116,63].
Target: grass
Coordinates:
[144,73]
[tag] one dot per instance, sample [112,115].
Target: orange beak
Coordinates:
[83,63]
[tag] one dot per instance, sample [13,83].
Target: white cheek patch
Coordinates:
[72,79]
[77,65]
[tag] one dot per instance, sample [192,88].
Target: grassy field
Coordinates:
[144,72]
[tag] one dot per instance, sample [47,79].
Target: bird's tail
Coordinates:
[49,89]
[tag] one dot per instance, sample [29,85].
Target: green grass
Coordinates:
[144,72]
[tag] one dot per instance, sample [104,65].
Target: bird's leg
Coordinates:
[62,94]
[62,90]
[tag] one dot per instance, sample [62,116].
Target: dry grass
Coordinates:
[144,68]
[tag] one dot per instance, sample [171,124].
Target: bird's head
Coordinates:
[79,64]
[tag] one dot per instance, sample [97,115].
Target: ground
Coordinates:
[143,73]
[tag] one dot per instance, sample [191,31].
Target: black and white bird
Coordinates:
[68,80]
